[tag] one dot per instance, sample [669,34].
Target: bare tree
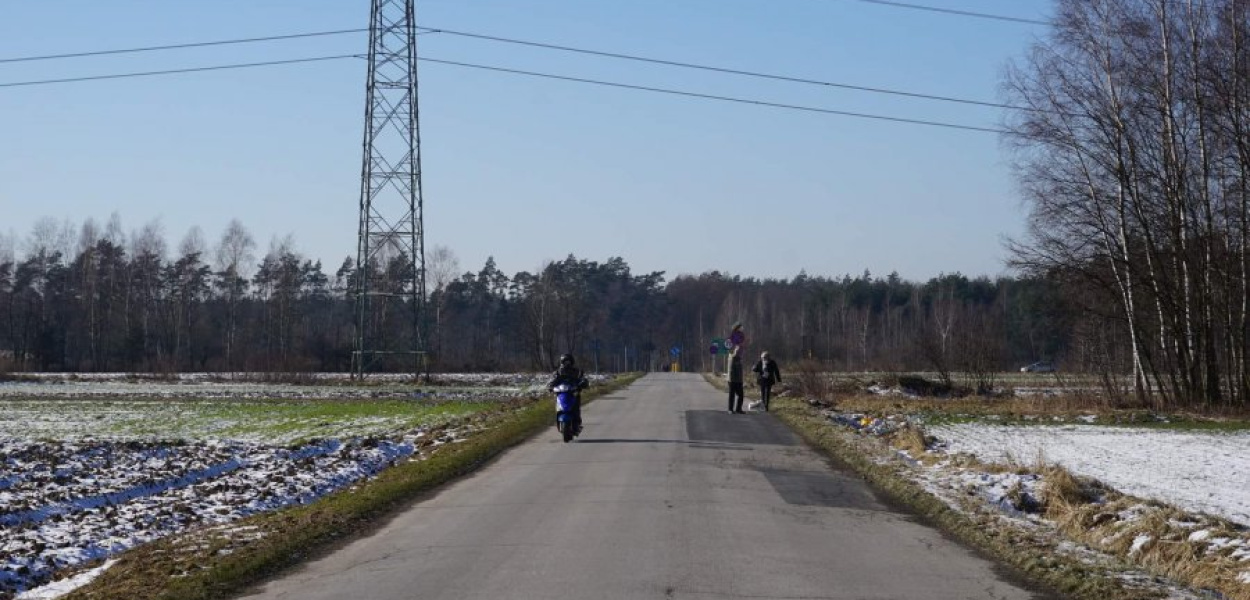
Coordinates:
[233,256]
[49,236]
[149,239]
[113,231]
[442,267]
[1131,161]
[8,247]
[193,242]
[88,235]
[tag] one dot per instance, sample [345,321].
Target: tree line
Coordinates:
[94,299]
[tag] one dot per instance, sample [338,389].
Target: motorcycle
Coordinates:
[566,408]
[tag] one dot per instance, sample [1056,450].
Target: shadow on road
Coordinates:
[691,443]
[714,426]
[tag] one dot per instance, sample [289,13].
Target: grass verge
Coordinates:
[218,562]
[1030,553]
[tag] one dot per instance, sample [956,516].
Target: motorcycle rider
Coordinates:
[569,374]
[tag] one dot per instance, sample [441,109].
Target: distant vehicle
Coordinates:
[1038,367]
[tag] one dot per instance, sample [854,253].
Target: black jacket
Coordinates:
[570,375]
[767,372]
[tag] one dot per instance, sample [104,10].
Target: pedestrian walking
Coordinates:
[767,373]
[735,381]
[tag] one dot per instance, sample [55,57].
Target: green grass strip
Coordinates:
[193,566]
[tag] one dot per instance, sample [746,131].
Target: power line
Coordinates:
[177,71]
[952,11]
[716,97]
[795,107]
[990,16]
[180,46]
[674,63]
[616,55]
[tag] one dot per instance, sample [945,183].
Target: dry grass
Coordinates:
[972,405]
[1088,512]
[1062,492]
[1169,551]
[912,439]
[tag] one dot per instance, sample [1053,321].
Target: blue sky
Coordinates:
[531,170]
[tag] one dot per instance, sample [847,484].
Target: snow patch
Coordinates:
[60,588]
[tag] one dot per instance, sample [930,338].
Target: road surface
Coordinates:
[665,495]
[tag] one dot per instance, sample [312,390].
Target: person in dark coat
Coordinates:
[568,373]
[766,374]
[735,380]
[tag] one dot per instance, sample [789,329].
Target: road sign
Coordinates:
[718,345]
[675,351]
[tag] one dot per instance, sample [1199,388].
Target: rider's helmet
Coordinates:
[566,360]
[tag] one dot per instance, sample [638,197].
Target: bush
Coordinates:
[920,386]
[812,382]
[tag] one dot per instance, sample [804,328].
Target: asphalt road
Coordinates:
[665,495]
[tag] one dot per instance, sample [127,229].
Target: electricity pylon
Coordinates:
[390,254]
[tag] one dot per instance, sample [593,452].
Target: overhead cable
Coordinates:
[177,71]
[996,17]
[450,32]
[779,105]
[270,38]
[952,11]
[716,97]
[728,71]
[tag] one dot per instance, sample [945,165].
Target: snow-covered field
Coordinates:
[1198,471]
[65,504]
[92,466]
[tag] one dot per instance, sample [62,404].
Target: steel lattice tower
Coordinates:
[390,255]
